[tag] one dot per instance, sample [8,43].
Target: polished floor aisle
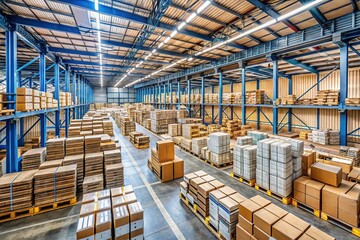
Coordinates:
[165,216]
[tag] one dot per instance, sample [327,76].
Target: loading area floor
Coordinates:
[165,216]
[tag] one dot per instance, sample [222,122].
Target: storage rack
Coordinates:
[342,35]
[80,88]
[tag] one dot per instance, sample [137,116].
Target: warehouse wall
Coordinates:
[100,95]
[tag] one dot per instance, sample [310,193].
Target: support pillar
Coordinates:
[67,89]
[171,96]
[212,106]
[189,96]
[56,96]
[220,108]
[42,78]
[290,91]
[257,108]
[178,94]
[344,80]
[243,94]
[165,94]
[232,107]
[74,94]
[203,99]
[11,84]
[275,95]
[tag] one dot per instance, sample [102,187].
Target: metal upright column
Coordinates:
[290,91]
[257,108]
[42,78]
[159,97]
[344,65]
[232,107]
[171,96]
[243,94]
[189,96]
[275,95]
[220,97]
[67,110]
[21,123]
[11,84]
[203,99]
[165,91]
[74,94]
[79,97]
[212,106]
[56,96]
[318,109]
[178,95]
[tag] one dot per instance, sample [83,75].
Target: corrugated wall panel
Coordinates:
[329,118]
[301,83]
[332,82]
[354,83]
[308,116]
[100,95]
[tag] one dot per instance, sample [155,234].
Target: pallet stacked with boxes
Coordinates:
[160,119]
[127,126]
[164,163]
[111,214]
[219,147]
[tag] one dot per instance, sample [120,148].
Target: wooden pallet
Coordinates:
[205,221]
[343,225]
[55,205]
[250,183]
[284,200]
[8,216]
[6,112]
[305,207]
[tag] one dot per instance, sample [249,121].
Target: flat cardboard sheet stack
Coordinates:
[55,149]
[327,97]
[79,161]
[74,131]
[320,136]
[54,185]
[127,126]
[92,144]
[114,175]
[255,97]
[108,127]
[257,136]
[106,146]
[112,157]
[16,191]
[93,183]
[74,146]
[160,119]
[173,130]
[334,137]
[94,164]
[33,158]
[51,164]
[186,143]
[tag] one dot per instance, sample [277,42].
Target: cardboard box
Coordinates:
[136,220]
[178,168]
[277,211]
[285,231]
[88,209]
[121,223]
[165,150]
[24,99]
[313,194]
[246,225]
[86,227]
[24,91]
[296,222]
[315,233]
[104,225]
[300,188]
[307,160]
[260,200]
[349,206]
[330,197]
[118,201]
[260,235]
[22,107]
[247,208]
[327,174]
[167,171]
[241,234]
[264,220]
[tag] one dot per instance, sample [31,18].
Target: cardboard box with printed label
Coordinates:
[104,225]
[86,227]
[121,223]
[136,213]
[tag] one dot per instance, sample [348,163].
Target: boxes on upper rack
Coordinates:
[24,99]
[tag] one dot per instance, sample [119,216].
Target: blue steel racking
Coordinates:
[81,89]
[340,31]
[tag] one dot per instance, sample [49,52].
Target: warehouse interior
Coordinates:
[179,119]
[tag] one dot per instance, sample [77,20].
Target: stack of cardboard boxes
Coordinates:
[114,214]
[160,119]
[164,163]
[328,193]
[24,99]
[198,144]
[219,147]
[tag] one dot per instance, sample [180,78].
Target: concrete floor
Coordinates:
[165,216]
